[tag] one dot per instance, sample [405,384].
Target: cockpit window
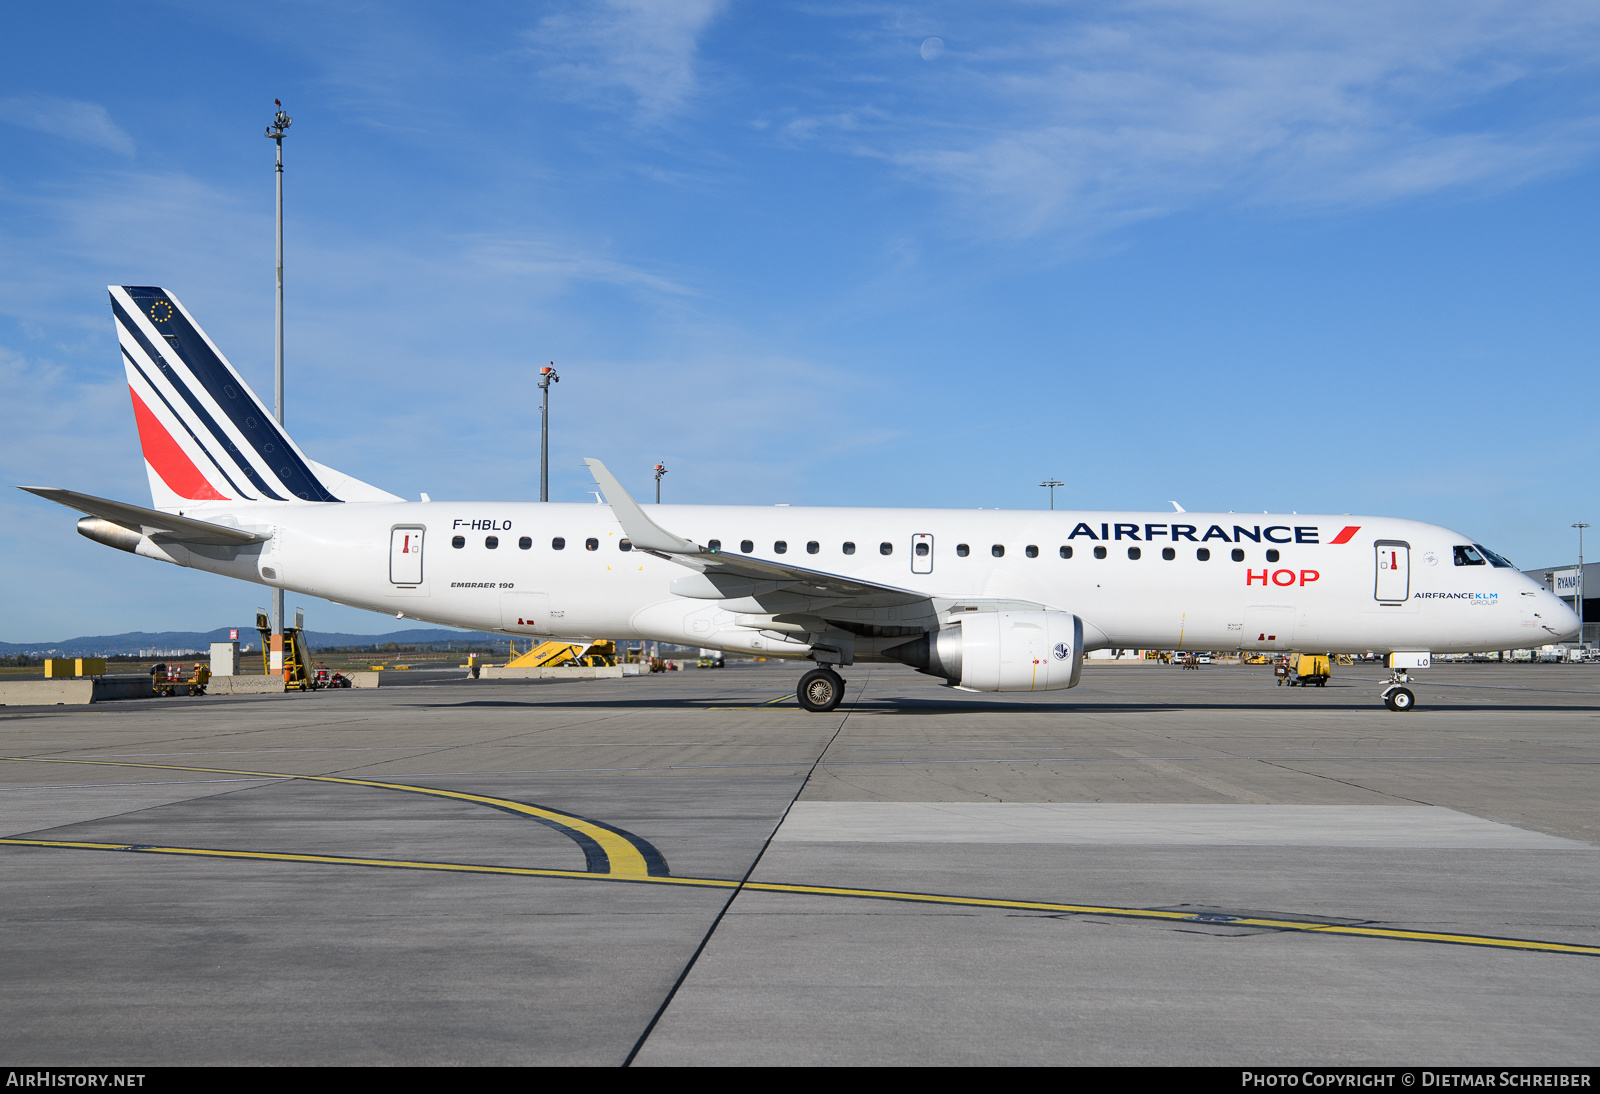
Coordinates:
[1494,559]
[1469,556]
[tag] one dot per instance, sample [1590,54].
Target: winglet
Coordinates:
[642,532]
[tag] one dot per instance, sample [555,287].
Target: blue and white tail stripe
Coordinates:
[223,432]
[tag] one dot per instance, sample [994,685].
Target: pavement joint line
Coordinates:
[606,849]
[891,895]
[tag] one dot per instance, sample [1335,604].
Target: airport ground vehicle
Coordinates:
[1309,670]
[986,600]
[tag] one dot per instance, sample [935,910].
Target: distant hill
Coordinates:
[99,645]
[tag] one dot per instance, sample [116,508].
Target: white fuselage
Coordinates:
[1390,585]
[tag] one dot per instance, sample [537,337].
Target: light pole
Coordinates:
[661,469]
[547,376]
[280,124]
[1052,484]
[1578,600]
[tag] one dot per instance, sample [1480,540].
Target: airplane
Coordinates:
[986,600]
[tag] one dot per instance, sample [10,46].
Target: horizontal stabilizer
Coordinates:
[151,521]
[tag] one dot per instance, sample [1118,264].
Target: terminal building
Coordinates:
[1568,582]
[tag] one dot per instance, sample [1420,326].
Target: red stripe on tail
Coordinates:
[1344,536]
[175,468]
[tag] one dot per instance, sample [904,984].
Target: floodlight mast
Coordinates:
[1578,600]
[661,469]
[547,376]
[1052,484]
[280,124]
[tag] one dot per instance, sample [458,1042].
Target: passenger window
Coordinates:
[1099,552]
[624,545]
[962,550]
[1031,551]
[1169,553]
[922,550]
[1066,552]
[746,546]
[714,545]
[1272,554]
[491,542]
[886,548]
[525,543]
[1238,554]
[998,550]
[591,544]
[1203,554]
[459,542]
[1467,556]
[849,548]
[781,547]
[558,544]
[813,547]
[1133,553]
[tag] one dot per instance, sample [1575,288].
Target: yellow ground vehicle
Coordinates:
[297,675]
[553,654]
[166,680]
[1311,669]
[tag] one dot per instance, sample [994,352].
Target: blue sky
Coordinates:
[1247,255]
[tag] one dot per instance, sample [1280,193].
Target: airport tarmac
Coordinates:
[1159,867]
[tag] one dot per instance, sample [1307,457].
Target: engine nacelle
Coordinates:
[1001,651]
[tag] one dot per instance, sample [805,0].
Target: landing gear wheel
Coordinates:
[820,690]
[1400,699]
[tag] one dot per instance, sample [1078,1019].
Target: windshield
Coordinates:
[1494,559]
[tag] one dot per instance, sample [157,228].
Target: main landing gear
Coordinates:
[820,690]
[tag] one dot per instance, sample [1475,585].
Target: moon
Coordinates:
[931,48]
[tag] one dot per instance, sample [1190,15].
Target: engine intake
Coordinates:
[1001,651]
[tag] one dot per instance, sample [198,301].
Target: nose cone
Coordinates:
[1561,620]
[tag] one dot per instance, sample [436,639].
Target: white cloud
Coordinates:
[1053,119]
[87,123]
[646,49]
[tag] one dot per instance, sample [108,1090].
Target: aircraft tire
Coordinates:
[1400,700]
[820,690]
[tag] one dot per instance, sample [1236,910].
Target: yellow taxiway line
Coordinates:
[626,862]
[1301,926]
[622,856]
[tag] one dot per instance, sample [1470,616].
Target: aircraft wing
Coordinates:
[152,522]
[730,576]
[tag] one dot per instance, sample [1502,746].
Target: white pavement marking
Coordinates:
[1107,824]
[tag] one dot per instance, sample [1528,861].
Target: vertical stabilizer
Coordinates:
[205,434]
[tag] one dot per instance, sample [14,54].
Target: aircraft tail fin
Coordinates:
[206,436]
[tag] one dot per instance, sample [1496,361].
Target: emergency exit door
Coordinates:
[922,554]
[405,556]
[1394,571]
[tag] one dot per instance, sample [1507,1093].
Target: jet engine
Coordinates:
[1001,651]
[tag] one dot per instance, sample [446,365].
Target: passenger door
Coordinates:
[1393,584]
[922,554]
[405,555]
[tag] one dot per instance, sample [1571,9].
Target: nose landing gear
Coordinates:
[820,690]
[1397,696]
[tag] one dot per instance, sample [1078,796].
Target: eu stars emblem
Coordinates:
[161,311]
